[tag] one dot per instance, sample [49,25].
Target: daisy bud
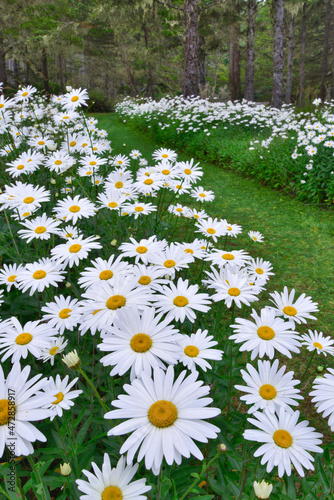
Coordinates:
[52,146]
[68,88]
[320,368]
[68,284]
[53,181]
[65,469]
[222,448]
[263,489]
[113,243]
[124,145]
[56,195]
[72,360]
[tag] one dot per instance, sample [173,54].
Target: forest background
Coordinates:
[264,50]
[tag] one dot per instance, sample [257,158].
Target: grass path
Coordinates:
[298,239]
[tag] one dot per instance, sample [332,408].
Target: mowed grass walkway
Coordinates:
[299,239]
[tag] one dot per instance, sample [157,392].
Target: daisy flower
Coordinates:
[74,250]
[39,228]
[55,347]
[121,160]
[195,249]
[200,194]
[26,197]
[211,228]
[142,250]
[62,314]
[295,311]
[139,208]
[165,417]
[59,162]
[260,268]
[323,392]
[61,391]
[68,232]
[189,171]
[317,341]
[179,302]
[75,98]
[235,290]
[114,483]
[224,257]
[164,154]
[265,334]
[104,271]
[285,442]
[25,93]
[256,236]
[270,388]
[172,259]
[17,340]
[73,209]
[113,199]
[39,275]
[232,229]
[196,349]
[24,398]
[147,276]
[139,342]
[192,213]
[9,274]
[135,154]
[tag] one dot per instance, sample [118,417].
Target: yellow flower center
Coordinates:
[234,292]
[53,350]
[112,204]
[74,209]
[283,438]
[75,98]
[148,182]
[169,263]
[38,275]
[26,214]
[12,278]
[180,301]
[65,313]
[41,143]
[228,256]
[267,391]
[59,397]
[165,172]
[139,209]
[24,94]
[28,199]
[65,117]
[75,248]
[106,275]
[210,230]
[69,235]
[164,155]
[179,209]
[7,411]
[202,195]
[265,333]
[119,185]
[119,162]
[178,186]
[20,167]
[84,144]
[187,171]
[112,493]
[189,250]
[162,414]
[144,280]
[40,229]
[89,172]
[23,338]
[92,163]
[191,350]
[97,310]
[141,249]
[72,144]
[229,228]
[259,270]
[58,162]
[316,344]
[115,302]
[141,342]
[290,311]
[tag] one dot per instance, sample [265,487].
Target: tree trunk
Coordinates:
[3,72]
[277,93]
[45,76]
[302,58]
[290,59]
[150,85]
[26,76]
[201,63]
[131,77]
[190,70]
[249,78]
[325,52]
[234,66]
[60,73]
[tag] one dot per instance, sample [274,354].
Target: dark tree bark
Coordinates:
[290,59]
[60,73]
[150,84]
[249,78]
[45,75]
[190,70]
[302,58]
[201,63]
[26,76]
[325,52]
[131,78]
[3,72]
[234,66]
[277,93]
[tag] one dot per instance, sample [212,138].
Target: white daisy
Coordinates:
[104,270]
[39,228]
[317,341]
[9,274]
[39,275]
[61,391]
[62,314]
[143,249]
[235,289]
[323,392]
[295,311]
[197,348]
[73,209]
[74,250]
[55,347]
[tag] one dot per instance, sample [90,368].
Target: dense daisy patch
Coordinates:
[131,340]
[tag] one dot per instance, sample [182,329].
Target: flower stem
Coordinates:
[307,367]
[39,479]
[203,471]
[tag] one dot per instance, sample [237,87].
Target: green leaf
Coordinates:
[322,474]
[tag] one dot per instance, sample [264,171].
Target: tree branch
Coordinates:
[167,4]
[213,4]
